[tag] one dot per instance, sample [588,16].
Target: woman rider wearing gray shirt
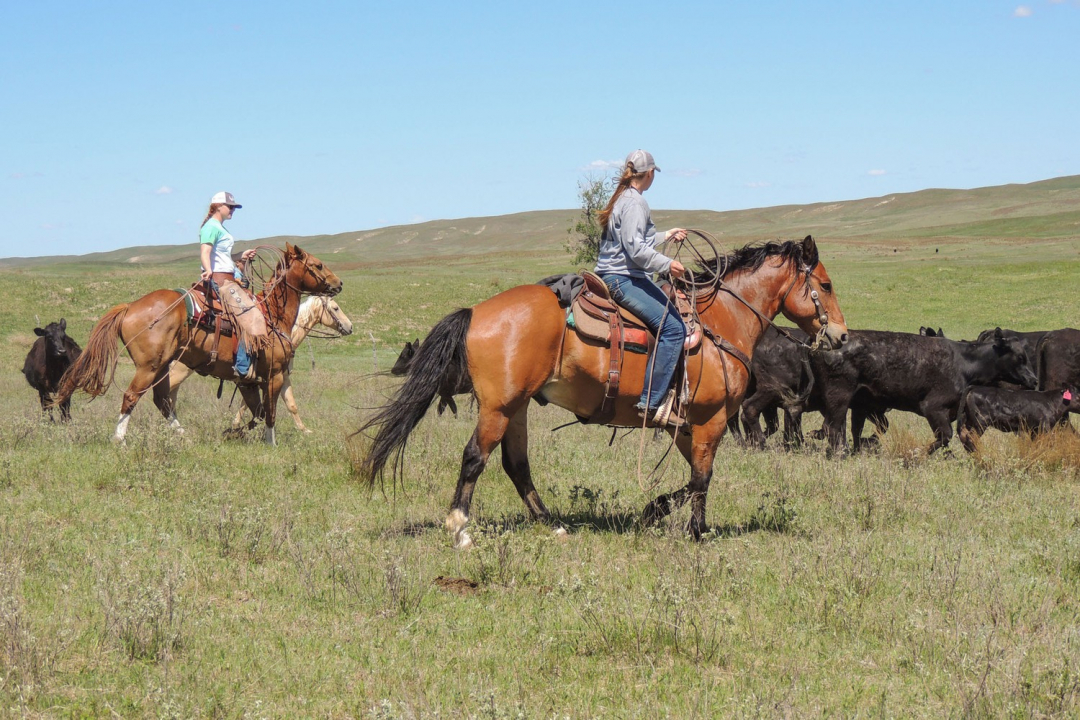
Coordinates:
[628,259]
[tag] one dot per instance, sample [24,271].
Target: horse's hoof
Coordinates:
[462,540]
[561,534]
[656,511]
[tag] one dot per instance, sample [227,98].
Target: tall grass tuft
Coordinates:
[143,609]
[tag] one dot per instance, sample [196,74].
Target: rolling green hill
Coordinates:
[1045,210]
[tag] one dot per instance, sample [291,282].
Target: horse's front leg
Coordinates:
[290,403]
[270,399]
[699,449]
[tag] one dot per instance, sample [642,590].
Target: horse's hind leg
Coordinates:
[143,380]
[489,432]
[515,461]
[164,401]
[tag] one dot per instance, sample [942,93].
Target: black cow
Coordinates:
[1015,411]
[404,359]
[449,387]
[1058,359]
[49,358]
[904,371]
[1031,342]
[781,378]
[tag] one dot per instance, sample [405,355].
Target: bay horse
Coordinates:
[155,331]
[316,310]
[515,346]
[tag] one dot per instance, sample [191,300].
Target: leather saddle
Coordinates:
[207,311]
[595,315]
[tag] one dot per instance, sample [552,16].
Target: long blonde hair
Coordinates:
[210,213]
[628,176]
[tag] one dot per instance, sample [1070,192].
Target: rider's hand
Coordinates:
[205,275]
[248,254]
[677,270]
[676,235]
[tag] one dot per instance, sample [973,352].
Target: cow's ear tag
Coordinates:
[1066,396]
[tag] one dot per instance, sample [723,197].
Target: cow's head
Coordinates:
[1012,362]
[404,360]
[54,337]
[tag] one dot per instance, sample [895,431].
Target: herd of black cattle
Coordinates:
[1011,381]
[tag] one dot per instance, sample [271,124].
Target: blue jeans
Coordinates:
[642,297]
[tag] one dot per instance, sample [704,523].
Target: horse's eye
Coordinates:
[826,287]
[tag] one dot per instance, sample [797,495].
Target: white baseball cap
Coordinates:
[642,161]
[224,198]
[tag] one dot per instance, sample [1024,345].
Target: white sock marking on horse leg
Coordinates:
[269,437]
[121,427]
[455,523]
[174,423]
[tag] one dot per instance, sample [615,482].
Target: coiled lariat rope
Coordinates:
[695,287]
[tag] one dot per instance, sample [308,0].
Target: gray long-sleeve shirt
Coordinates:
[627,246]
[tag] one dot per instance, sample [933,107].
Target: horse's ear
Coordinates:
[998,336]
[39,332]
[810,252]
[300,254]
[63,324]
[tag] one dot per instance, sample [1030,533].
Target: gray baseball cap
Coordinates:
[642,161]
[224,198]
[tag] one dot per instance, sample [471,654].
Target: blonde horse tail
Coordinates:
[94,370]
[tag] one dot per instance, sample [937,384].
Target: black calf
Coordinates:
[1013,411]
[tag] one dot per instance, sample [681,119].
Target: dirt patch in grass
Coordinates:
[458,586]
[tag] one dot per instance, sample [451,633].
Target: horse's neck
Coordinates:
[735,321]
[283,304]
[306,319]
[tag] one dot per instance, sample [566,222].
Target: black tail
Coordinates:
[798,400]
[961,412]
[442,354]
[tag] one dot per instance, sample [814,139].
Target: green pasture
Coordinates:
[197,577]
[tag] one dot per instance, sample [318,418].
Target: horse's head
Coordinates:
[334,317]
[810,301]
[309,274]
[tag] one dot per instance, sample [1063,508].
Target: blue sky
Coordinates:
[121,119]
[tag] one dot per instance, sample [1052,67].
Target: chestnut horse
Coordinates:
[316,310]
[515,346]
[155,331]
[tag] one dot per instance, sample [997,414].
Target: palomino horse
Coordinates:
[515,346]
[316,310]
[155,331]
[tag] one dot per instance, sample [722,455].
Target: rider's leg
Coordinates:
[648,302]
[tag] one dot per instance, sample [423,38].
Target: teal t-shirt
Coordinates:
[214,233]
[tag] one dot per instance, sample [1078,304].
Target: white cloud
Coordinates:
[163,190]
[603,165]
[876,173]
[1022,11]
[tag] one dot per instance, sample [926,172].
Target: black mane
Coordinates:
[751,257]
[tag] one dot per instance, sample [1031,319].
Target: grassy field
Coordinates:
[197,577]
